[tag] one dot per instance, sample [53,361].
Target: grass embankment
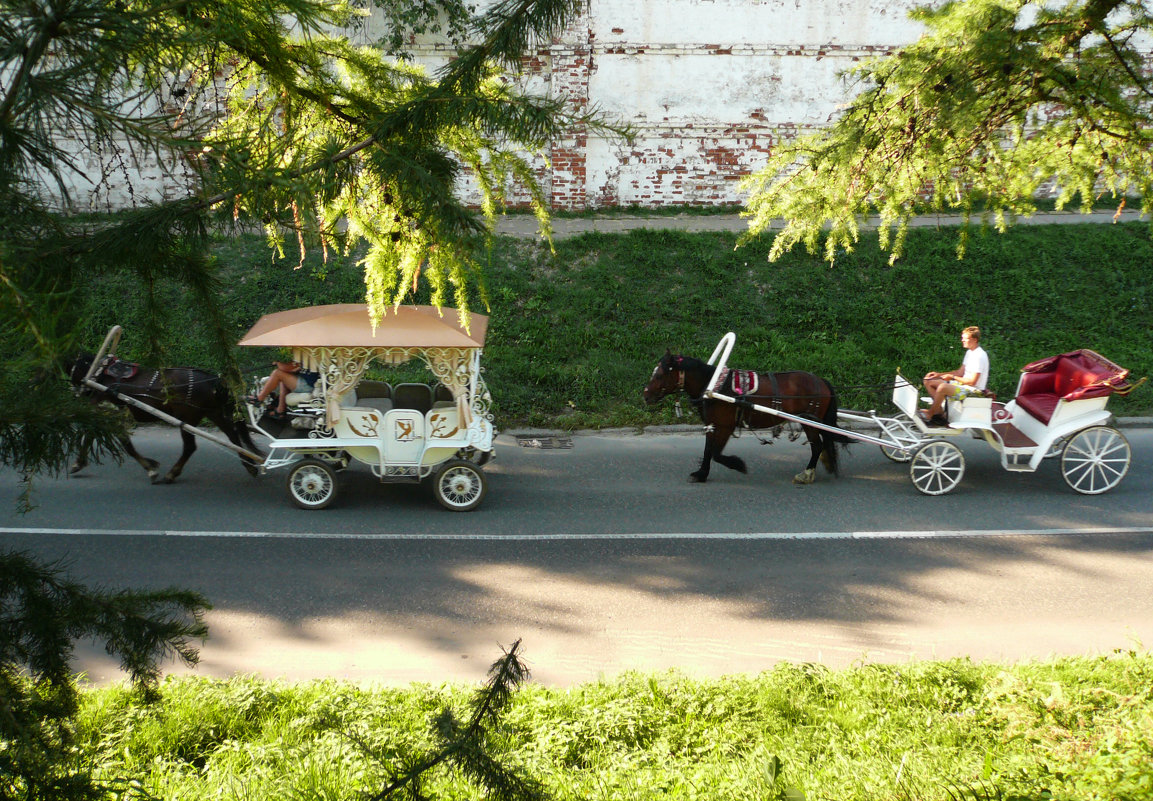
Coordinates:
[1070,729]
[574,335]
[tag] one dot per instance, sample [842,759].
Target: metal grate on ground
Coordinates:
[543,442]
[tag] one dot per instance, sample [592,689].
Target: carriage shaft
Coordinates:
[808,421]
[199,432]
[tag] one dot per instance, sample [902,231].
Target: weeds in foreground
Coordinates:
[1078,728]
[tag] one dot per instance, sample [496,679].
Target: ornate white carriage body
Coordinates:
[403,433]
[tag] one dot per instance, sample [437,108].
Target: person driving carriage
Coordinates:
[292,377]
[970,379]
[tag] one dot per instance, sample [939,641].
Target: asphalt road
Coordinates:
[602,558]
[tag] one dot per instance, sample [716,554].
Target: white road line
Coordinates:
[735,535]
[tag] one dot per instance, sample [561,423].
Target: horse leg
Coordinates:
[715,442]
[809,474]
[238,435]
[151,466]
[189,448]
[829,453]
[81,457]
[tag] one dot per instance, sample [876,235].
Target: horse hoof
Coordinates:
[805,477]
[697,479]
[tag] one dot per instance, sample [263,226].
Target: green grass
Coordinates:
[1074,728]
[574,334]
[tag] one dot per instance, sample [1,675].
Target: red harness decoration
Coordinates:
[744,382]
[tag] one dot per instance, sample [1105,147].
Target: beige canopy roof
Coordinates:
[348,325]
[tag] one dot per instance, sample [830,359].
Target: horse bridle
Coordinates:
[680,390]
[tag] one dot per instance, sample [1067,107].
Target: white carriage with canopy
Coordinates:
[404,433]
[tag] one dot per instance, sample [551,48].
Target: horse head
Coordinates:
[667,378]
[78,367]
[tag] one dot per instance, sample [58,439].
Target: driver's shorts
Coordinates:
[966,391]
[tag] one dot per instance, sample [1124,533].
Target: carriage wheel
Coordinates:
[312,484]
[937,467]
[895,454]
[1095,460]
[1057,448]
[460,485]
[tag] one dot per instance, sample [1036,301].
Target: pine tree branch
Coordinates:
[505,674]
[33,52]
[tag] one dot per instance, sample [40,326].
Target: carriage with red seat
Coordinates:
[1059,410]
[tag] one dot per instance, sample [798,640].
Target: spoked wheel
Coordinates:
[1057,448]
[312,484]
[460,485]
[937,467]
[1095,460]
[895,454]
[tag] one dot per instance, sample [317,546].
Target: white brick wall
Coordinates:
[708,85]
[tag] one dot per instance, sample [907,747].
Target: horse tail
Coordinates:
[230,413]
[830,418]
[831,440]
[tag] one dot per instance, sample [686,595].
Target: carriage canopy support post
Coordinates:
[200,432]
[806,421]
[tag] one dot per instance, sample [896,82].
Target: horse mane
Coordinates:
[692,365]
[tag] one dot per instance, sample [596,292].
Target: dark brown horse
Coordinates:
[187,393]
[798,393]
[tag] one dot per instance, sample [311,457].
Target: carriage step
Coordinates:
[1013,437]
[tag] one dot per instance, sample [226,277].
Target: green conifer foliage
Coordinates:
[999,100]
[270,116]
[42,615]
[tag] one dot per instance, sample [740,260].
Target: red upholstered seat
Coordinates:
[1039,404]
[1068,376]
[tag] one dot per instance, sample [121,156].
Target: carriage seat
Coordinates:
[296,399]
[414,396]
[374,395]
[379,404]
[1072,376]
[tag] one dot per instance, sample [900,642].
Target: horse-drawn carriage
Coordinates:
[1059,410]
[404,433]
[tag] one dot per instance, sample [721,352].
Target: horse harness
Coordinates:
[119,370]
[745,385]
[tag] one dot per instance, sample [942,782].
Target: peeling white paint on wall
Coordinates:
[709,87]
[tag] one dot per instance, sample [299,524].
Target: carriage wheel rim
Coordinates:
[937,468]
[460,486]
[1095,460]
[311,484]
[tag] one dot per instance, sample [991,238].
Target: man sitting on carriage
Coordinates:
[970,379]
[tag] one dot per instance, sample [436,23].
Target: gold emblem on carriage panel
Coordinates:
[403,428]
